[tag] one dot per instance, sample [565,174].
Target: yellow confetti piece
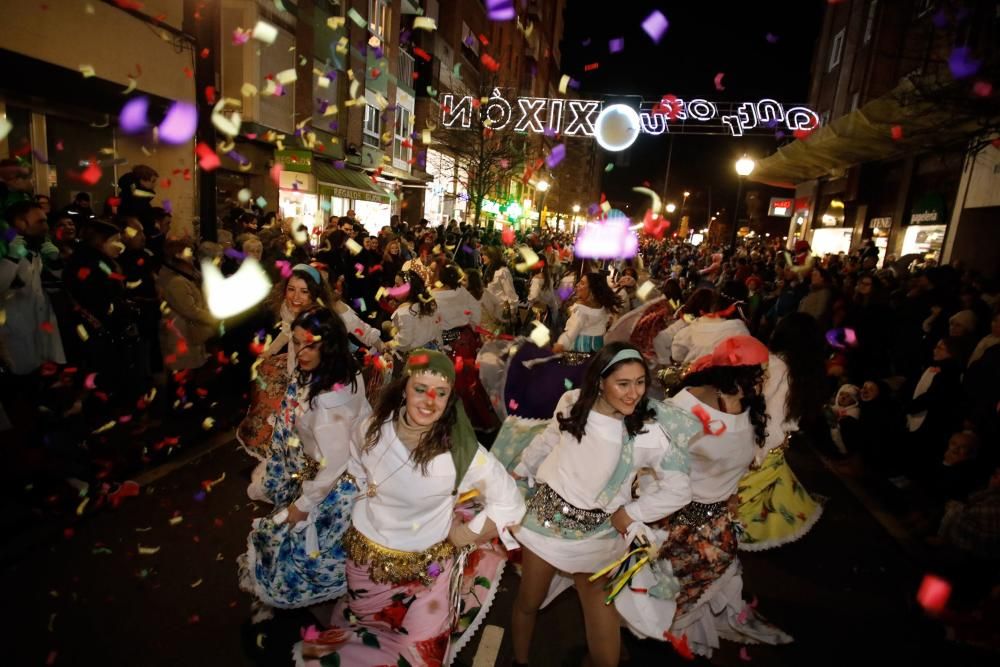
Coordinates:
[353,246]
[208,423]
[323,82]
[148,551]
[645,289]
[564,83]
[107,427]
[82,333]
[424,23]
[133,284]
[335,22]
[196,584]
[286,76]
[425,137]
[131,86]
[3,317]
[176,520]
[248,90]
[260,639]
[530,259]
[87,71]
[82,506]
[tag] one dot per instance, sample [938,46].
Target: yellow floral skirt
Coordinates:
[775,509]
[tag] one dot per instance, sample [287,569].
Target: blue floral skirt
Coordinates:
[303,565]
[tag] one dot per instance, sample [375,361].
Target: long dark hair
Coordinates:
[576,422]
[496,263]
[421,301]
[320,292]
[475,280]
[602,292]
[337,364]
[450,276]
[732,379]
[798,341]
[435,441]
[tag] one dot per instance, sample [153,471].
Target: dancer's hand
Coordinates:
[295,515]
[558,349]
[621,520]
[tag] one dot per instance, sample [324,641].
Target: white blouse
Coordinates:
[584,321]
[324,430]
[578,470]
[412,511]
[457,308]
[664,340]
[364,332]
[776,398]
[413,330]
[502,287]
[701,336]
[718,462]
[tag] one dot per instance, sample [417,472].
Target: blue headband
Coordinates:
[622,355]
[313,273]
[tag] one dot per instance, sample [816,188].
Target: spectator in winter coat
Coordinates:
[136,190]
[932,413]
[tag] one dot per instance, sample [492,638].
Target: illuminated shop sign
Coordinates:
[780,208]
[579,117]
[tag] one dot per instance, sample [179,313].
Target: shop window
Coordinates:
[836,48]
[373,126]
[378,18]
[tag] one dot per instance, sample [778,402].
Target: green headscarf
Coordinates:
[464,444]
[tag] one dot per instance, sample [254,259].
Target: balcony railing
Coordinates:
[405,69]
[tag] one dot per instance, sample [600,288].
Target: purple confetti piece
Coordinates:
[469,41]
[565,292]
[574,84]
[434,570]
[940,19]
[339,164]
[771,38]
[549,132]
[593,209]
[233,253]
[961,63]
[334,125]
[656,25]
[467,249]
[38,154]
[132,118]
[378,52]
[585,42]
[773,123]
[168,206]
[616,45]
[779,134]
[180,123]
[556,156]
[200,496]
[404,36]
[500,10]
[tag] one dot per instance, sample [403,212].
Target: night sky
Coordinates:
[703,39]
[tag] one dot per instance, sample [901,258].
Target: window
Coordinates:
[870,23]
[835,50]
[400,152]
[373,126]
[378,18]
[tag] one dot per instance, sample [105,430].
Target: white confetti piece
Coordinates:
[227,297]
[264,32]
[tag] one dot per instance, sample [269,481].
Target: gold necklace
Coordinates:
[373,485]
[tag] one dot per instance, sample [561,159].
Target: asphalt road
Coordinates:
[154,583]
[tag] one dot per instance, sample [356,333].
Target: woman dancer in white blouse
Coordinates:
[500,298]
[416,322]
[413,459]
[585,461]
[723,390]
[588,319]
[294,557]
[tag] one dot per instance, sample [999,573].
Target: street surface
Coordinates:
[154,583]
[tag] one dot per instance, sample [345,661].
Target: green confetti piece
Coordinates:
[357,18]
[568,383]
[609,166]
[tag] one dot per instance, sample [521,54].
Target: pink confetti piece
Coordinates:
[180,123]
[982,88]
[309,634]
[744,655]
[742,617]
[616,45]
[656,25]
[718,81]
[608,240]
[933,593]
[89,381]
[556,156]
[512,404]
[132,117]
[207,158]
[400,291]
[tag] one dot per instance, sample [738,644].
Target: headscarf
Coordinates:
[462,439]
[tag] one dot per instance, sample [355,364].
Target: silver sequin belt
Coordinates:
[553,510]
[698,514]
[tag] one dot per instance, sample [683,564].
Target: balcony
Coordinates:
[404,71]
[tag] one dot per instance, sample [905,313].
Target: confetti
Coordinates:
[207,159]
[512,404]
[180,123]
[176,520]
[961,63]
[556,156]
[896,132]
[132,117]
[680,645]
[771,38]
[933,594]
[564,83]
[718,81]
[352,246]
[608,240]
[358,19]
[540,334]
[87,71]
[196,584]
[148,551]
[424,23]
[264,32]
[644,289]
[744,655]
[979,88]
[568,384]
[500,10]
[243,290]
[591,67]
[656,25]
[489,62]
[616,45]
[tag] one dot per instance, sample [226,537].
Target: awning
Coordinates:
[905,120]
[348,183]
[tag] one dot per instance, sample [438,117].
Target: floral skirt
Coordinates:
[254,432]
[303,565]
[699,555]
[408,623]
[774,507]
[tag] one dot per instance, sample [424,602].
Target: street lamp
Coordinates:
[543,185]
[744,166]
[671,207]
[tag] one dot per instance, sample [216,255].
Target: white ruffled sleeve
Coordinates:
[504,504]
[574,325]
[535,453]
[357,327]
[336,414]
[507,285]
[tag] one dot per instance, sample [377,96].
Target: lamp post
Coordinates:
[542,186]
[671,207]
[744,166]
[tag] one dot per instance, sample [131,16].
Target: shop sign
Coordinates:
[929,210]
[880,223]
[577,118]
[295,160]
[490,206]
[780,207]
[357,195]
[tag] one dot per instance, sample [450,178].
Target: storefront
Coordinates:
[880,229]
[830,236]
[343,189]
[925,229]
[298,198]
